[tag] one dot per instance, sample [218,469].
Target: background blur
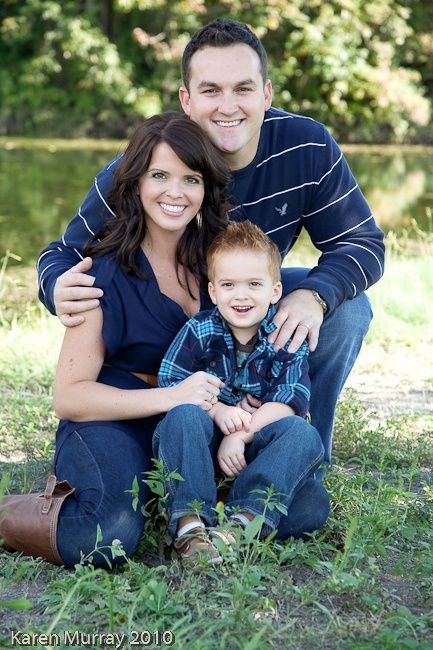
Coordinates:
[96,67]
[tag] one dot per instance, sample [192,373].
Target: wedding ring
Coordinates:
[304,325]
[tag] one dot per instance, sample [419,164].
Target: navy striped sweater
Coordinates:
[298,179]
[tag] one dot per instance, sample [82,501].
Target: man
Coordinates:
[288,173]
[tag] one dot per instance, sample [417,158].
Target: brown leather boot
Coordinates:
[28,523]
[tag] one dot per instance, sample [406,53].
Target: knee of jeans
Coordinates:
[184,418]
[353,316]
[311,439]
[123,530]
[186,412]
[308,511]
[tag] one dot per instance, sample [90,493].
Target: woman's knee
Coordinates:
[95,540]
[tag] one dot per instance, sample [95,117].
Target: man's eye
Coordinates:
[210,91]
[245,89]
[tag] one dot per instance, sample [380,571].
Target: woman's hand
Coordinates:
[201,389]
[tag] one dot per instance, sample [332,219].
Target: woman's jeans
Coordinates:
[101,462]
[340,339]
[284,454]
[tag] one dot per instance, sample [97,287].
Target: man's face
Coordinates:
[228,98]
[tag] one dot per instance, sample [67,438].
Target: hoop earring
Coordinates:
[199,220]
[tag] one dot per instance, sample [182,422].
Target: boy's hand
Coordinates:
[249,403]
[231,455]
[230,418]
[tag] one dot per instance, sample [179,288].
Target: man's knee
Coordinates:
[352,317]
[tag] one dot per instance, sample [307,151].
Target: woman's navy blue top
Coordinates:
[139,324]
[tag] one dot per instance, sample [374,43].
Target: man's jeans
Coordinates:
[340,340]
[285,454]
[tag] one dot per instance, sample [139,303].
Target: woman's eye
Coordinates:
[159,176]
[192,180]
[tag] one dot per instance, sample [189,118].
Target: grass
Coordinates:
[364,581]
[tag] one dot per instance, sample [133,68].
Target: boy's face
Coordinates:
[228,98]
[243,289]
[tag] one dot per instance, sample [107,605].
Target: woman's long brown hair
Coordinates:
[125,232]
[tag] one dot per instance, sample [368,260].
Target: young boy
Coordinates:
[270,445]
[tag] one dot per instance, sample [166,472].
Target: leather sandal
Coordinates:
[196,545]
[28,523]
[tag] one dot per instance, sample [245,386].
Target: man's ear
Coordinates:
[212,292]
[268,94]
[277,293]
[184,100]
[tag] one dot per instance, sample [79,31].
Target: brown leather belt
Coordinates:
[152,380]
[149,379]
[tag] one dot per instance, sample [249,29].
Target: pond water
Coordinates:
[41,188]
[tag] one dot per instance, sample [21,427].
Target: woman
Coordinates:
[169,197]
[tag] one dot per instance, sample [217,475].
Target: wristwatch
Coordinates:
[320,300]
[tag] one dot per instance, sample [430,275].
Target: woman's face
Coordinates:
[170,192]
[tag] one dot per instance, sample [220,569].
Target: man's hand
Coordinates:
[74,293]
[299,316]
[231,455]
[230,418]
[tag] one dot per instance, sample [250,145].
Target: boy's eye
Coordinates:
[256,284]
[227,284]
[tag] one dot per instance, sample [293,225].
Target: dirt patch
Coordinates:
[395,379]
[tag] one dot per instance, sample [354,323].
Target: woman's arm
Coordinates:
[79,397]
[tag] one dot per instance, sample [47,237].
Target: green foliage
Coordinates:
[364,67]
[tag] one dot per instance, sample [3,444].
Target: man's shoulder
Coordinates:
[287,124]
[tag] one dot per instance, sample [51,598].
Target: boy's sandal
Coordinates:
[196,545]
[225,536]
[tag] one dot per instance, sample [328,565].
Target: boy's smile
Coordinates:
[243,289]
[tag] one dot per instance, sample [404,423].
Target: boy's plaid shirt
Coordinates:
[205,343]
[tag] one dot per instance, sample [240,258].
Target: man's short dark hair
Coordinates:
[223,32]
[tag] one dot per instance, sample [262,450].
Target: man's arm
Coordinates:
[341,226]
[58,257]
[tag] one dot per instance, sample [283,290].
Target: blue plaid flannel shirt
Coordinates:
[205,343]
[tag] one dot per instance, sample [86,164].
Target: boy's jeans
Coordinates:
[284,454]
